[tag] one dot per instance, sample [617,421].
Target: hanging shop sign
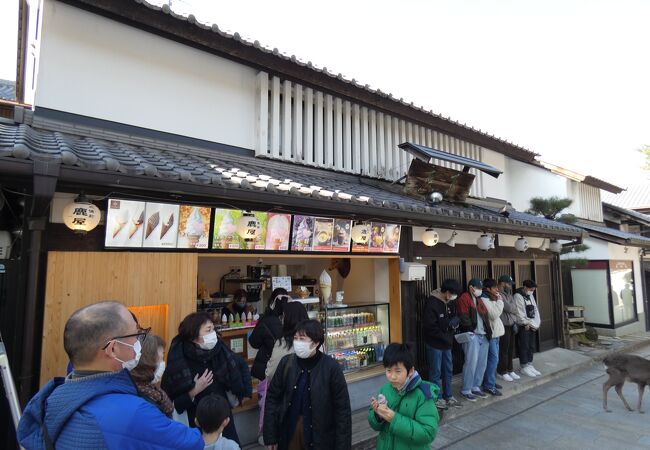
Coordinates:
[249,230]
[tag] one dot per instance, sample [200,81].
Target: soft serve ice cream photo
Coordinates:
[225,229]
[277,232]
[193,230]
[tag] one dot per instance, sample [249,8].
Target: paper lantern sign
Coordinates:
[81,216]
[430,237]
[249,228]
[361,233]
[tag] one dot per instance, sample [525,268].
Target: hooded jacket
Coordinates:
[521,300]
[435,323]
[495,308]
[469,313]
[509,315]
[415,424]
[100,411]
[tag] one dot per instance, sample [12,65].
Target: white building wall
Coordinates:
[496,187]
[526,181]
[96,67]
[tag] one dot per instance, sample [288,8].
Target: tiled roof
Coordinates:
[149,160]
[637,196]
[630,238]
[7,90]
[128,10]
[644,218]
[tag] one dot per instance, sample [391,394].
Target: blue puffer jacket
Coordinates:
[100,412]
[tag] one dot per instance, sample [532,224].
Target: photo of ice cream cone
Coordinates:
[193,240]
[277,242]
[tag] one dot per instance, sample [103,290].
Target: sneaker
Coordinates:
[528,372]
[479,393]
[469,397]
[535,371]
[506,377]
[441,404]
[494,392]
[453,403]
[514,376]
[260,440]
[498,386]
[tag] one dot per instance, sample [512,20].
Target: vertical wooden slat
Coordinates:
[405,157]
[356,139]
[372,160]
[308,127]
[429,138]
[423,136]
[416,134]
[381,146]
[262,115]
[347,136]
[275,117]
[319,131]
[286,119]
[395,301]
[389,168]
[397,152]
[365,142]
[329,131]
[338,134]
[296,126]
[409,132]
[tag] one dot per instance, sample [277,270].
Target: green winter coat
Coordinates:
[415,424]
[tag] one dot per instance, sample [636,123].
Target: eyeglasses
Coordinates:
[141,335]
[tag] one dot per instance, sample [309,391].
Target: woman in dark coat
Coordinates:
[267,331]
[200,364]
[307,403]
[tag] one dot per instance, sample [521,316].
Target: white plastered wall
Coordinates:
[93,66]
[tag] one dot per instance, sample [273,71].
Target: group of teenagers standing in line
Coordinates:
[488,319]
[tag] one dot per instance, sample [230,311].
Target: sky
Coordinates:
[567,79]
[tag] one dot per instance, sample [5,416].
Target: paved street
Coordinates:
[563,414]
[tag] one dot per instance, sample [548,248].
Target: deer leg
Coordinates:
[619,390]
[606,387]
[641,389]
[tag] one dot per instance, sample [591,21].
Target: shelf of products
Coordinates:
[356,335]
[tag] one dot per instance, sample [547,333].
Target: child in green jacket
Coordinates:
[405,412]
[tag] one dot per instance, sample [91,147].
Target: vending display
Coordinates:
[356,335]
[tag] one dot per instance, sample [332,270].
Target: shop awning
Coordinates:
[615,236]
[427,154]
[131,162]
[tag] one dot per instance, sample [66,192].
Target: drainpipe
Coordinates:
[644,291]
[46,174]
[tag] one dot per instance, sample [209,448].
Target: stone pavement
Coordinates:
[554,364]
[564,414]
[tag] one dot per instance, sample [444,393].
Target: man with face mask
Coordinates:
[307,402]
[439,323]
[97,405]
[528,321]
[509,319]
[474,319]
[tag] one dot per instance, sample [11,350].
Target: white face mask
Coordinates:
[478,292]
[453,297]
[209,341]
[303,349]
[160,369]
[131,363]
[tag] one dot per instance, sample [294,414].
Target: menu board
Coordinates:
[161,225]
[384,238]
[193,227]
[303,231]
[342,235]
[124,223]
[225,236]
[277,232]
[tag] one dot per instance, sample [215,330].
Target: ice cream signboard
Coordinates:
[225,236]
[161,225]
[193,227]
[384,238]
[124,223]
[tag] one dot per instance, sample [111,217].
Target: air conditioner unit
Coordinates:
[414,272]
[5,244]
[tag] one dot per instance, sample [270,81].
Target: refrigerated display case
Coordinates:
[356,335]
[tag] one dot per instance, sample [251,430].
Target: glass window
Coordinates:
[590,290]
[622,283]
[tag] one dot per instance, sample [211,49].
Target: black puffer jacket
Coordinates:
[332,418]
[263,337]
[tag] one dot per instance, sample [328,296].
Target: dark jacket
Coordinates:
[332,425]
[263,338]
[185,360]
[100,411]
[468,312]
[436,329]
